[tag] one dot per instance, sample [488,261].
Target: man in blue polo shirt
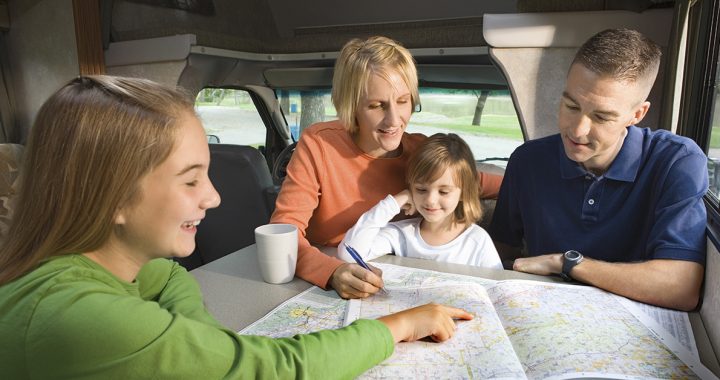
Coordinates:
[605,202]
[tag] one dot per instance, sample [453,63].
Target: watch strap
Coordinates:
[569,264]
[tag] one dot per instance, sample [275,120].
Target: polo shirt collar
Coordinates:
[623,168]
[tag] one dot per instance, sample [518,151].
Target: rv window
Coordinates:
[486,119]
[230,117]
[714,150]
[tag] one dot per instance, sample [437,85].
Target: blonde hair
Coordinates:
[442,152]
[358,60]
[91,143]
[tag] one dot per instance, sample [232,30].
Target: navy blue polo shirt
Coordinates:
[648,205]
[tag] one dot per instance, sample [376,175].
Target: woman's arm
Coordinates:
[489,185]
[298,199]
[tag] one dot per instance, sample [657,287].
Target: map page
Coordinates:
[557,331]
[312,310]
[568,331]
[522,329]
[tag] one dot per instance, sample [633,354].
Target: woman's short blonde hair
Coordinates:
[91,143]
[442,152]
[358,60]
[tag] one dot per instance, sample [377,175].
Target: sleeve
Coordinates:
[298,199]
[680,218]
[174,289]
[488,253]
[365,236]
[97,334]
[506,226]
[489,185]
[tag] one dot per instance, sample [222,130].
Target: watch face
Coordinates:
[572,255]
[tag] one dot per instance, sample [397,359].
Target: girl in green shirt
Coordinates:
[115,182]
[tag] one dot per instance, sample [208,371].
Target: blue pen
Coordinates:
[358,259]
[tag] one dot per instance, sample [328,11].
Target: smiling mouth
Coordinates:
[191,224]
[391,131]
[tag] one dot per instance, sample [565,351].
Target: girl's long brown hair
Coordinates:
[91,143]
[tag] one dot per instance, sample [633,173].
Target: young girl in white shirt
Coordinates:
[442,182]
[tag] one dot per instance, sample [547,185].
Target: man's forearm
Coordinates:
[673,284]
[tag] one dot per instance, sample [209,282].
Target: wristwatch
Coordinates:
[570,259]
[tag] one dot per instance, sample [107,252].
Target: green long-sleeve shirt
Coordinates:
[71,318]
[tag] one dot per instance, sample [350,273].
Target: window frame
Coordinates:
[696,109]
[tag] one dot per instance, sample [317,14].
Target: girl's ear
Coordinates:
[120,218]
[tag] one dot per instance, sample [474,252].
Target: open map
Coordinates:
[521,329]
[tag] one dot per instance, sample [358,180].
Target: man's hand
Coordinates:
[353,281]
[543,265]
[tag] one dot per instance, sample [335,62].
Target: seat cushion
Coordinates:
[10,159]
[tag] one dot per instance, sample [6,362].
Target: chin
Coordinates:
[390,144]
[573,155]
[183,252]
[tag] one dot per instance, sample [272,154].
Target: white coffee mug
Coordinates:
[277,246]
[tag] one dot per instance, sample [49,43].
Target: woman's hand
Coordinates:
[353,281]
[404,200]
[435,321]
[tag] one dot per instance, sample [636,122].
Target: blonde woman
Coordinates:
[342,168]
[442,188]
[115,182]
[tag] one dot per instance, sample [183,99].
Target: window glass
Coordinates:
[714,150]
[230,117]
[485,119]
[305,108]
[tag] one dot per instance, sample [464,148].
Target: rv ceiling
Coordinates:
[285,26]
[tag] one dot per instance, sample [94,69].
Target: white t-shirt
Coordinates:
[374,235]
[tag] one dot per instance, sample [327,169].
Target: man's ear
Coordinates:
[640,111]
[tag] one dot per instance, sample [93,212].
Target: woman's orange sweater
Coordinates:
[330,183]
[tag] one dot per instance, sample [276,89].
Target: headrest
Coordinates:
[570,29]
[10,159]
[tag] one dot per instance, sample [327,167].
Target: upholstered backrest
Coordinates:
[10,159]
[534,52]
[241,176]
[710,309]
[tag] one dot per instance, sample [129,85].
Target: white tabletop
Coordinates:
[236,295]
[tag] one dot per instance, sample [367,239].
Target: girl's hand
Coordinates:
[433,320]
[404,200]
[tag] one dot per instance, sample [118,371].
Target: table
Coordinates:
[236,295]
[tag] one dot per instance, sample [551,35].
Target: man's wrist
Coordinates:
[558,263]
[570,260]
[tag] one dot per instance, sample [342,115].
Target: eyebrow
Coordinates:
[188,168]
[601,112]
[370,99]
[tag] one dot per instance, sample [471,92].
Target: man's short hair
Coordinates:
[621,54]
